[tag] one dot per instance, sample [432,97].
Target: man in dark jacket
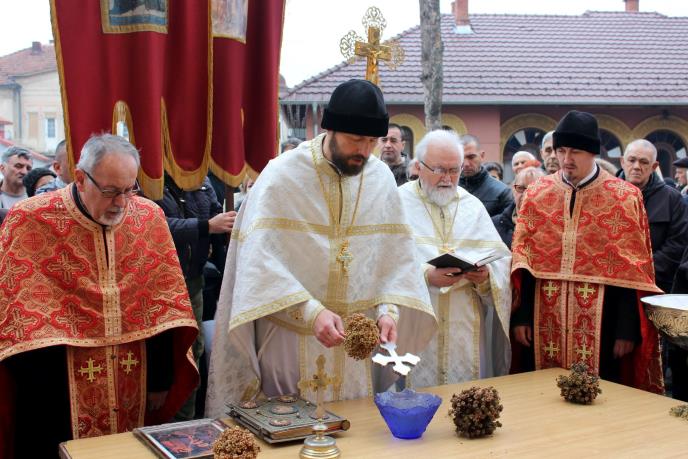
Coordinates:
[681,166]
[494,195]
[197,224]
[667,214]
[678,358]
[506,221]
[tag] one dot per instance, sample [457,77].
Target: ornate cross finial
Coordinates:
[318,384]
[399,361]
[352,46]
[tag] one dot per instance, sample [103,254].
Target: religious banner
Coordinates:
[247,38]
[143,69]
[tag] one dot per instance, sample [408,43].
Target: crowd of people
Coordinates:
[112,294]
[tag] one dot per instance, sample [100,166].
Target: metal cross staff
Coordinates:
[318,384]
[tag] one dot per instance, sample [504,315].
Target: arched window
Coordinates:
[670,147]
[526,139]
[610,148]
[408,138]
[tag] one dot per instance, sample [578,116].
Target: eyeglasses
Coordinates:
[520,188]
[110,193]
[454,171]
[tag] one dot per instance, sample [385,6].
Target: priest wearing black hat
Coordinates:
[322,235]
[681,176]
[581,259]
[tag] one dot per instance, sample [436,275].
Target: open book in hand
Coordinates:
[469,261]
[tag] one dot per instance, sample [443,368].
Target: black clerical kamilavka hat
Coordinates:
[357,107]
[683,162]
[577,130]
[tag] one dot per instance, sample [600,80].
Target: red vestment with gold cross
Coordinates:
[573,254]
[100,292]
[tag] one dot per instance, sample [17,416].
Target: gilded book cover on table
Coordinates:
[189,439]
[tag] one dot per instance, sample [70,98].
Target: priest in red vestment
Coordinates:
[95,319]
[581,261]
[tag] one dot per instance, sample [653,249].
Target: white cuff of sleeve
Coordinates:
[391,310]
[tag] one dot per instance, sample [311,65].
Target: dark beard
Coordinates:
[340,161]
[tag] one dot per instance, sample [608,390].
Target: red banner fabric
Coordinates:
[147,63]
[245,85]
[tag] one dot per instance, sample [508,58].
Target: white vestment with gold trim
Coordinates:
[473,337]
[305,240]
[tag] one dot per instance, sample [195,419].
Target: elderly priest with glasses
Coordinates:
[95,319]
[472,306]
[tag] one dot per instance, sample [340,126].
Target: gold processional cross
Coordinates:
[352,46]
[318,384]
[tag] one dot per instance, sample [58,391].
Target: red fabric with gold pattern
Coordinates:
[558,303]
[107,388]
[65,280]
[605,241]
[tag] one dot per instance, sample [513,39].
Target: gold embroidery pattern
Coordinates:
[443,333]
[576,252]
[568,323]
[475,363]
[282,224]
[270,308]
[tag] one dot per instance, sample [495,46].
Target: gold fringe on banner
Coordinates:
[63,92]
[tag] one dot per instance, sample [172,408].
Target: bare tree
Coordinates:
[432,49]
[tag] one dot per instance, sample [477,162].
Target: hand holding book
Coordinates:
[446,277]
[466,262]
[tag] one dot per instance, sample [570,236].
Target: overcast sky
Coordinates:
[313,28]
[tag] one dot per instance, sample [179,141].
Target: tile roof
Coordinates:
[27,62]
[595,58]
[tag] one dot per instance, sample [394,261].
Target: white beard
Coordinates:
[440,196]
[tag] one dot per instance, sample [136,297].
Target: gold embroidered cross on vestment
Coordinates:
[90,370]
[551,349]
[345,257]
[129,362]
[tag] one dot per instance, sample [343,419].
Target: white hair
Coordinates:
[439,137]
[522,153]
[100,145]
[545,138]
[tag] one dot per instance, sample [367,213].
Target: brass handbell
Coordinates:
[319,445]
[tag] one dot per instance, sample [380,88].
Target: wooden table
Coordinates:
[537,422]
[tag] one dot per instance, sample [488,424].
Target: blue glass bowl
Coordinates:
[407,413]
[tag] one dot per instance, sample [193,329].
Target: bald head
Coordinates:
[61,163]
[639,162]
[642,144]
